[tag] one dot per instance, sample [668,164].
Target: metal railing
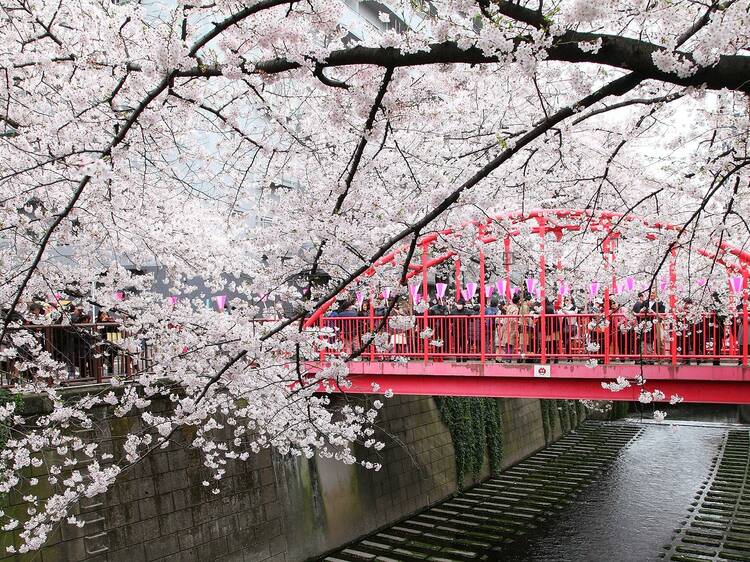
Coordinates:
[84,352]
[94,352]
[580,337]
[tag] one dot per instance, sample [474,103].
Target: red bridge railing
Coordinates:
[93,352]
[561,337]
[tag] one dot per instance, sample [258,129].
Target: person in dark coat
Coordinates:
[459,329]
[490,325]
[648,309]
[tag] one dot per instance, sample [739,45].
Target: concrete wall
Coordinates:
[273,508]
[523,433]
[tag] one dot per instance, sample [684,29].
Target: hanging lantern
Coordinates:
[414,292]
[736,284]
[471,289]
[488,290]
[221,301]
[360,299]
[663,282]
[119,296]
[702,282]
[563,289]
[500,286]
[594,288]
[465,294]
[630,283]
[172,300]
[530,285]
[440,289]
[386,293]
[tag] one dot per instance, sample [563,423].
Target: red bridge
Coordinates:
[534,354]
[701,358]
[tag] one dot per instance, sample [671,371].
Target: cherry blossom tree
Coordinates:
[139,135]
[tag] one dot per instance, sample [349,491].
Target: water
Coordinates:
[630,512]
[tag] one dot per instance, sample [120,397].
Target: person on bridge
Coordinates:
[552,329]
[650,309]
[569,324]
[491,311]
[459,329]
[508,329]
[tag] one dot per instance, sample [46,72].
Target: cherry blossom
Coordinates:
[264,152]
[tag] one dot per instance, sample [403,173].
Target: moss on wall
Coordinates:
[475,425]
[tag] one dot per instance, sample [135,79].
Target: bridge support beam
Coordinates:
[703,384]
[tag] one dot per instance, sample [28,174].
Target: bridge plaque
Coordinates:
[542,371]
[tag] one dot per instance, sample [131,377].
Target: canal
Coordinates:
[616,491]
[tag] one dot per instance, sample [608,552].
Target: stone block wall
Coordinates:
[523,432]
[272,508]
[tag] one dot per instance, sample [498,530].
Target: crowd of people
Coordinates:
[572,326]
[85,346]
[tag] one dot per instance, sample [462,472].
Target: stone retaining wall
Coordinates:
[272,508]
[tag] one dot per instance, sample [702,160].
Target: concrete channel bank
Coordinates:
[274,508]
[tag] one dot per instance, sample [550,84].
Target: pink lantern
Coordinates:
[440,289]
[515,290]
[414,292]
[594,288]
[465,294]
[663,282]
[488,290]
[538,293]
[386,293]
[119,296]
[736,284]
[360,298]
[471,289]
[221,301]
[500,286]
[530,285]
[630,283]
[563,289]
[172,300]
[702,282]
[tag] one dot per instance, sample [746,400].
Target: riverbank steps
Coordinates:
[483,521]
[718,524]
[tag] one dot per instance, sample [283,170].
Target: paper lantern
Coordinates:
[172,300]
[594,288]
[119,296]
[530,285]
[630,283]
[465,294]
[500,286]
[440,289]
[702,282]
[414,292]
[386,294]
[360,298]
[663,282]
[736,284]
[488,290]
[221,301]
[563,289]
[471,289]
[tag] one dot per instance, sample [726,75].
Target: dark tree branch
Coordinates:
[617,87]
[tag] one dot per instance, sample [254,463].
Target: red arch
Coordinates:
[547,221]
